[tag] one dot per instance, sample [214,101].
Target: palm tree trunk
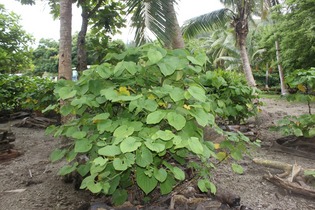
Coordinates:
[284,90]
[245,61]
[267,78]
[173,29]
[64,68]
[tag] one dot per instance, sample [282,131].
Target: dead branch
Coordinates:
[292,186]
[293,173]
[287,168]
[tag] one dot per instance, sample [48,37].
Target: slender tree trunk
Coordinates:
[81,52]
[267,77]
[284,90]
[173,29]
[64,68]
[245,61]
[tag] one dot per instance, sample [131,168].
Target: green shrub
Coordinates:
[139,116]
[232,100]
[304,82]
[24,92]
[304,125]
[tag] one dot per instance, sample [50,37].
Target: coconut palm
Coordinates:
[238,13]
[157,17]
[65,70]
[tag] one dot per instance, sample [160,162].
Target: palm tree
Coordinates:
[157,17]
[64,69]
[238,12]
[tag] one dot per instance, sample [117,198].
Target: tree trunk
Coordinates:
[245,61]
[267,77]
[64,68]
[173,29]
[81,53]
[284,90]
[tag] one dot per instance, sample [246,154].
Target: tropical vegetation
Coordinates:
[137,114]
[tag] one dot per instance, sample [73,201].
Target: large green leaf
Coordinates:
[100,117]
[155,117]
[79,134]
[119,164]
[57,154]
[94,187]
[123,131]
[103,126]
[104,70]
[203,118]
[66,109]
[166,68]
[144,157]
[164,135]
[205,185]
[195,146]
[82,145]
[67,169]
[154,56]
[129,144]
[66,92]
[178,121]
[131,67]
[198,93]
[160,174]
[146,183]
[178,173]
[155,146]
[177,94]
[100,161]
[110,151]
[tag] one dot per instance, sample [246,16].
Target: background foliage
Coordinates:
[15,52]
[24,92]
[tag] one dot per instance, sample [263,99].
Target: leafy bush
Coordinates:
[304,82]
[24,92]
[232,100]
[139,116]
[303,125]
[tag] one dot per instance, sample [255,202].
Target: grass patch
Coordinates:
[271,96]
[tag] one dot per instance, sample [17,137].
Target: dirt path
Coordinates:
[40,188]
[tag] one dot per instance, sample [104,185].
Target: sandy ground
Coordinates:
[31,181]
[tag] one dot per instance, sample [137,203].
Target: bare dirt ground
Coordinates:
[30,181]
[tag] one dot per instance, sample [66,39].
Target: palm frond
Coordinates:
[149,17]
[206,22]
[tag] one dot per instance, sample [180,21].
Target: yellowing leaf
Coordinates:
[302,88]
[221,155]
[152,97]
[162,104]
[124,91]
[188,107]
[216,146]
